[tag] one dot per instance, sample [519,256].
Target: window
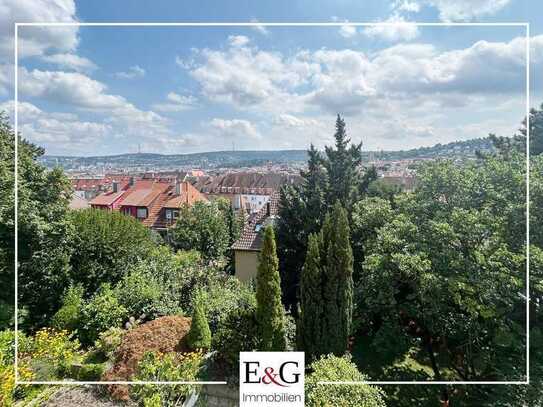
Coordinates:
[175,214]
[141,213]
[168,214]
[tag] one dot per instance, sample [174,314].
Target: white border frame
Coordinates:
[526,25]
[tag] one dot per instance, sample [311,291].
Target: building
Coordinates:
[77,203]
[111,199]
[154,202]
[248,246]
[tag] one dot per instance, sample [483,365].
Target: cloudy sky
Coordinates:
[110,90]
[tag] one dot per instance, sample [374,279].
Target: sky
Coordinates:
[113,90]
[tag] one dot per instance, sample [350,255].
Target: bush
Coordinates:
[51,353]
[108,341]
[87,372]
[199,336]
[166,367]
[8,391]
[140,294]
[333,368]
[237,332]
[222,295]
[69,315]
[104,243]
[102,312]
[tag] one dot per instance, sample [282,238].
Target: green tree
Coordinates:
[342,166]
[336,175]
[310,331]
[43,229]
[199,336]
[338,281]
[105,244]
[234,225]
[333,369]
[201,227]
[269,311]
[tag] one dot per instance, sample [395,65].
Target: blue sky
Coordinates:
[110,90]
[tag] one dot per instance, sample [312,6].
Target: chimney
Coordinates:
[268,211]
[115,186]
[131,181]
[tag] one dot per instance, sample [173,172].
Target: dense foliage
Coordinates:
[201,227]
[199,336]
[269,309]
[332,368]
[327,289]
[334,176]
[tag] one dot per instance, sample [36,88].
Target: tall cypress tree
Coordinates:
[269,309]
[310,333]
[338,281]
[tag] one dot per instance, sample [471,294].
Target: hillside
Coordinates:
[236,159]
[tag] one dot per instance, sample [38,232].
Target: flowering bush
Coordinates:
[166,367]
[8,391]
[52,352]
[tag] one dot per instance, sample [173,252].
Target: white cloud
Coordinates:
[70,61]
[238,40]
[347,31]
[132,73]
[397,28]
[37,40]
[176,103]
[248,77]
[64,133]
[407,6]
[238,130]
[466,10]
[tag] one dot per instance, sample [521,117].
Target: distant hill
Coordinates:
[237,159]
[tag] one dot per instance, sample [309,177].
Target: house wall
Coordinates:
[246,264]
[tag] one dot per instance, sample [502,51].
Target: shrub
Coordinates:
[52,353]
[237,332]
[166,367]
[88,371]
[108,341]
[222,295]
[102,312]
[69,315]
[8,391]
[199,336]
[333,368]
[140,294]
[104,243]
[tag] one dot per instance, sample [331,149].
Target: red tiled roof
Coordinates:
[107,198]
[188,195]
[144,192]
[251,237]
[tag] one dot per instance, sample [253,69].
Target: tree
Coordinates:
[199,336]
[234,225]
[338,281]
[43,229]
[269,311]
[342,166]
[310,333]
[506,145]
[201,227]
[336,175]
[448,268]
[105,244]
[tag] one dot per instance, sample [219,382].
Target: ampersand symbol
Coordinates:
[269,377]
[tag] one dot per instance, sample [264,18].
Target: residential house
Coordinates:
[111,199]
[248,246]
